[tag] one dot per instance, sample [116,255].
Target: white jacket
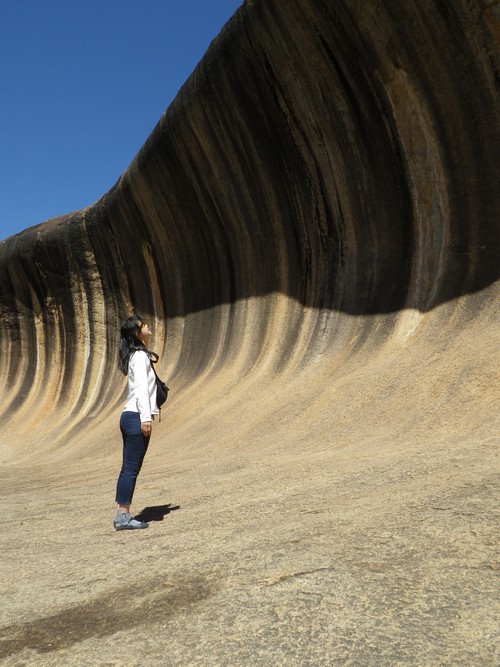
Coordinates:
[141,386]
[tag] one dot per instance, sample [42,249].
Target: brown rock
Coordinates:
[312,231]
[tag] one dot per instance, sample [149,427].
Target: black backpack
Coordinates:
[161,387]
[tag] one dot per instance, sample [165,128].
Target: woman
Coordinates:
[137,417]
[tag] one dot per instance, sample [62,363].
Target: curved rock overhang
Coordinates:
[326,178]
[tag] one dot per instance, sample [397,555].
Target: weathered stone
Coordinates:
[312,232]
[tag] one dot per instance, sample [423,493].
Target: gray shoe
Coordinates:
[123,521]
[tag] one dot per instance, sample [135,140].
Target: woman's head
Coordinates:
[134,335]
[131,327]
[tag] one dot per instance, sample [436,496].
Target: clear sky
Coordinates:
[83,83]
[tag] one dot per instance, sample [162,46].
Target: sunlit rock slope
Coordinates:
[312,232]
[311,229]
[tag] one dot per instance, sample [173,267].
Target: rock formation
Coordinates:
[324,161]
[312,232]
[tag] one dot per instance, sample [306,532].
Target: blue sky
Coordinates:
[83,84]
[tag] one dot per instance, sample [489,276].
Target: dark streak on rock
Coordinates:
[138,604]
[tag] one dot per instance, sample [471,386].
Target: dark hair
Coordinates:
[129,342]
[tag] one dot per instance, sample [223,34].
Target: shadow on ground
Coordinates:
[156,512]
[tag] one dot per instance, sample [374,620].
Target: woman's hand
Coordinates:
[146,428]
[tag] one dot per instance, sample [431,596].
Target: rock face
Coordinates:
[324,161]
[311,230]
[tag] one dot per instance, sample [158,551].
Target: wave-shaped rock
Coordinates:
[323,184]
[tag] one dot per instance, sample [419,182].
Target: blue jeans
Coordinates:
[135,446]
